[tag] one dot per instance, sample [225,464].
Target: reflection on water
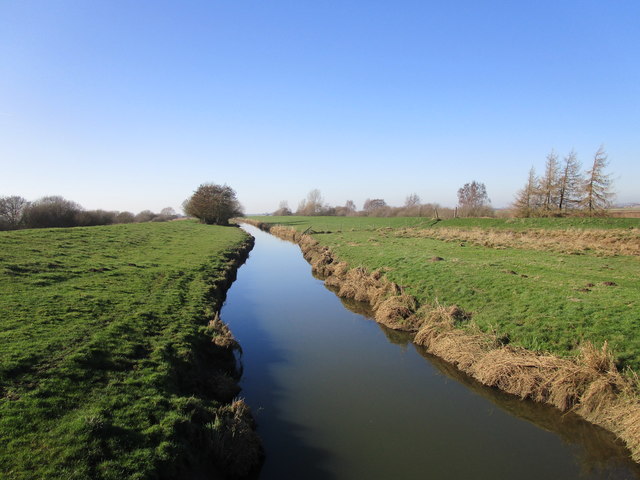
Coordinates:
[335,398]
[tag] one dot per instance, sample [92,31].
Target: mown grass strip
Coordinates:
[107,366]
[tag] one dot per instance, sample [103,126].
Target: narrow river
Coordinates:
[336,396]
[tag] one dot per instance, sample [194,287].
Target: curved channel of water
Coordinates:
[338,397]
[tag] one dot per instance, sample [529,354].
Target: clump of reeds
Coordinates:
[398,312]
[221,334]
[441,337]
[285,233]
[358,285]
[320,260]
[236,445]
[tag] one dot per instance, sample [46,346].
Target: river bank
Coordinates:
[589,385]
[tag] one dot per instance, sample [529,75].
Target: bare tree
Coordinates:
[350,207]
[168,213]
[597,193]
[125,217]
[145,216]
[91,218]
[473,200]
[348,210]
[526,200]
[313,204]
[570,183]
[283,209]
[412,200]
[375,207]
[52,211]
[213,204]
[12,210]
[549,184]
[412,207]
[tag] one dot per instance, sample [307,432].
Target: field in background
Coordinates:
[323,224]
[105,353]
[626,212]
[545,284]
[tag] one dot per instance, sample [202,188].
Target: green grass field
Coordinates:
[542,300]
[105,353]
[332,224]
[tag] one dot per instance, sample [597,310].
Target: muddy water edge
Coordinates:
[336,395]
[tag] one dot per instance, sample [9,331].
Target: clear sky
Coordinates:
[130,105]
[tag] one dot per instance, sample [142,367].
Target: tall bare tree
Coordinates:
[597,193]
[312,205]
[412,200]
[12,210]
[350,207]
[374,207]
[527,198]
[168,213]
[283,209]
[473,200]
[549,184]
[570,183]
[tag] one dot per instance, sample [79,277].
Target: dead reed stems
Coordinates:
[571,241]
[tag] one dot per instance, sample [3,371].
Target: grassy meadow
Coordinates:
[545,284]
[108,365]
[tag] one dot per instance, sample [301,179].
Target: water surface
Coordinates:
[337,396]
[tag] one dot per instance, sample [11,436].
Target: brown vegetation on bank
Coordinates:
[589,385]
[237,447]
[572,241]
[230,438]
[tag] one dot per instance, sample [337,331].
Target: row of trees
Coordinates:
[55,211]
[472,201]
[564,189]
[212,204]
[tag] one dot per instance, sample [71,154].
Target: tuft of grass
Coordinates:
[108,368]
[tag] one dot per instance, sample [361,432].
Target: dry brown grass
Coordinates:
[629,212]
[235,442]
[441,337]
[572,241]
[590,385]
[222,336]
[285,233]
[626,416]
[398,312]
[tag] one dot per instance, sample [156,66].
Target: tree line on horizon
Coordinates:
[473,201]
[565,190]
[55,211]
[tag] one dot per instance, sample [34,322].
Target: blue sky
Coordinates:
[130,105]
